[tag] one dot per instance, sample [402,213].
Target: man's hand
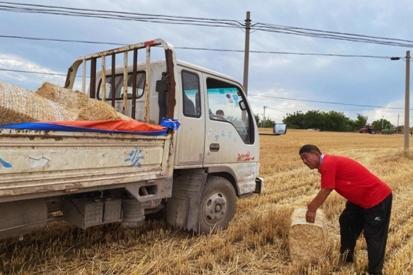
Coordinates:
[310,216]
[316,203]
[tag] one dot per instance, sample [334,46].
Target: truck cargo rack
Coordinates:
[126,50]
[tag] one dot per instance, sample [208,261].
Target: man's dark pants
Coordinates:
[375,223]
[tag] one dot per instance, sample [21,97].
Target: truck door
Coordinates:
[231,143]
[189,110]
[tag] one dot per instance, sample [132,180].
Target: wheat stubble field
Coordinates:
[256,241]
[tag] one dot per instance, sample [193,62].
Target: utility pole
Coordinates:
[265,107]
[247,51]
[398,118]
[407,106]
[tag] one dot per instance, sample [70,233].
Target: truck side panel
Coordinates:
[35,162]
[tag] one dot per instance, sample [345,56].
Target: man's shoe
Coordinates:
[347,257]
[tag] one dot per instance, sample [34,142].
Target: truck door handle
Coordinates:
[214,147]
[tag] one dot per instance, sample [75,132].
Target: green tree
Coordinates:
[263,123]
[381,124]
[314,120]
[360,122]
[295,120]
[335,121]
[325,121]
[267,123]
[257,119]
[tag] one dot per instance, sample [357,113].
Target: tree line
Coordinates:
[327,121]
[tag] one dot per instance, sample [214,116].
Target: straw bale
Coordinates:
[307,241]
[75,101]
[21,105]
[72,100]
[98,110]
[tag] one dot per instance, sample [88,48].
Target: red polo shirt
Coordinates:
[353,181]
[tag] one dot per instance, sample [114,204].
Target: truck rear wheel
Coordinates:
[218,205]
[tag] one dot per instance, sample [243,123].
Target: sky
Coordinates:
[362,81]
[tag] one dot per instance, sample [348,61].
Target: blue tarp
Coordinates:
[99,127]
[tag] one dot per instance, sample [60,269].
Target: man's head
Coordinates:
[310,154]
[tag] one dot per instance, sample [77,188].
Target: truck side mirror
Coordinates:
[242,105]
[162,89]
[162,84]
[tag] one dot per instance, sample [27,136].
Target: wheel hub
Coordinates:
[215,208]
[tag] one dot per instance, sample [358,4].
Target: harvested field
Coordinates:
[256,241]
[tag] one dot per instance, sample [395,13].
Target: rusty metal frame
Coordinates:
[93,78]
[170,61]
[112,80]
[170,65]
[103,77]
[147,83]
[134,73]
[125,82]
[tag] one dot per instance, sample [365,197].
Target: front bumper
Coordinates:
[259,185]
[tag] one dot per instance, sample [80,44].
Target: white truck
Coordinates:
[279,129]
[193,175]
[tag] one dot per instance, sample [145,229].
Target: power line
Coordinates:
[274,97]
[200,21]
[309,108]
[195,48]
[36,72]
[123,12]
[118,15]
[291,28]
[329,102]
[59,40]
[333,35]
[326,109]
[291,53]
[31,72]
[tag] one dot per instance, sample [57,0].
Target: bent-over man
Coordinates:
[368,206]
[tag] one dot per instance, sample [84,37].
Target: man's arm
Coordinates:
[316,203]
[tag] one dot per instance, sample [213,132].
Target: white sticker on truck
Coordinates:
[38,162]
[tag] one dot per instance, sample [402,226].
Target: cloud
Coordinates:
[276,107]
[363,81]
[25,78]
[396,117]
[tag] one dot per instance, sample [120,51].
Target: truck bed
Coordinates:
[47,163]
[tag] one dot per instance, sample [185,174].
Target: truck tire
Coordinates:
[218,205]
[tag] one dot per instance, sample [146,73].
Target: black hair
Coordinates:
[309,148]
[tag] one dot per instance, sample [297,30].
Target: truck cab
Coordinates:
[218,131]
[217,143]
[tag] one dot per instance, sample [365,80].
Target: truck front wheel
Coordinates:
[218,205]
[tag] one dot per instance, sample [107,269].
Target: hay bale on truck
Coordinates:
[21,105]
[80,103]
[307,241]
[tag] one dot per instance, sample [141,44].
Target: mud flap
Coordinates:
[21,217]
[184,206]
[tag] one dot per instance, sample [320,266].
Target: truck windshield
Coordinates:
[140,84]
[227,104]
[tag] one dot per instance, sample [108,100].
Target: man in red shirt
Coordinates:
[368,205]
